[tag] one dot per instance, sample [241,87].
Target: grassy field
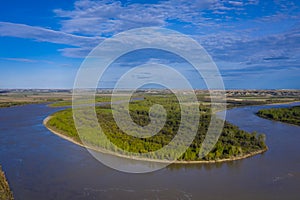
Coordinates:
[98,99]
[5,193]
[17,98]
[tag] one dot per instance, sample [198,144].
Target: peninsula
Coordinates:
[287,115]
[233,143]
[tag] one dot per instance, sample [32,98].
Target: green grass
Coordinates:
[287,115]
[232,142]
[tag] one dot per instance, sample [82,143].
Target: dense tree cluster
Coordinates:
[287,115]
[232,142]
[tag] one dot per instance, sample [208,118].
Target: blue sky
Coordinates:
[255,43]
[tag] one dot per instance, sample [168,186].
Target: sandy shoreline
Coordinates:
[5,190]
[150,160]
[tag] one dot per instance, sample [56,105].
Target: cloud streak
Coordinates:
[24,60]
[44,35]
[47,35]
[104,17]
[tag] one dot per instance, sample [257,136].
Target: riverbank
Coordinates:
[289,115]
[149,160]
[13,104]
[266,104]
[5,192]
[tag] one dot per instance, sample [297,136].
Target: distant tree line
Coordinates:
[288,115]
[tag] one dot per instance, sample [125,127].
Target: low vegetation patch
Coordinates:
[287,115]
[11,104]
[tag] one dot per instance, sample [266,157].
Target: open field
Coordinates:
[234,98]
[10,98]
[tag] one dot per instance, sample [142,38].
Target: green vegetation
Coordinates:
[9,98]
[61,104]
[98,99]
[10,104]
[232,143]
[5,193]
[287,115]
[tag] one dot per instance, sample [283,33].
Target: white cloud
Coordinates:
[45,35]
[84,44]
[224,38]
[104,17]
[79,52]
[25,60]
[234,50]
[108,17]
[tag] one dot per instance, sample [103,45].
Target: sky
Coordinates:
[254,43]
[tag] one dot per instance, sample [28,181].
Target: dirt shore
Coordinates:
[5,192]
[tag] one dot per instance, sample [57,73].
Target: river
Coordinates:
[41,165]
